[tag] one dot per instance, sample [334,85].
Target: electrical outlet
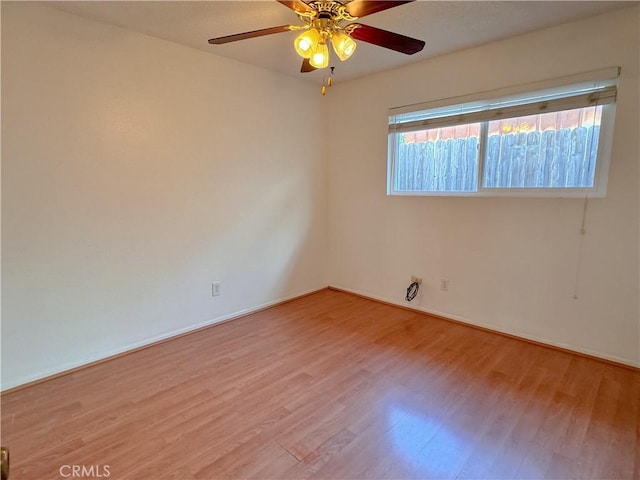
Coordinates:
[216,288]
[444,284]
[418,280]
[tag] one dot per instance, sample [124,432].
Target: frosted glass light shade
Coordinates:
[343,45]
[320,56]
[306,42]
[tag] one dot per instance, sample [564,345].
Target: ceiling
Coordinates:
[446,26]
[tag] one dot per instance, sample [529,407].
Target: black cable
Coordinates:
[412,291]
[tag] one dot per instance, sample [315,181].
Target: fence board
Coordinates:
[562,158]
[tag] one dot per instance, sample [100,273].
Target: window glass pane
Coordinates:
[550,150]
[438,160]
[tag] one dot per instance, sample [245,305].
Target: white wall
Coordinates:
[134,173]
[512,263]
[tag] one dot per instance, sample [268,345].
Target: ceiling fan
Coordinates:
[322,22]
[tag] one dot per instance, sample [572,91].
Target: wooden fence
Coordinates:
[554,158]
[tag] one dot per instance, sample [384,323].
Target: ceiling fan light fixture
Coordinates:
[343,45]
[323,21]
[320,55]
[307,42]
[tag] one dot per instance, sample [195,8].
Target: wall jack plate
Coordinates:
[216,288]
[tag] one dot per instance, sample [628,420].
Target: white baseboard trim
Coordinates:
[132,347]
[488,326]
[70,367]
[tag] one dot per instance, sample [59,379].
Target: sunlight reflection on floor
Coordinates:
[425,446]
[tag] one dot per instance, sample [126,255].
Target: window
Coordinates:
[546,142]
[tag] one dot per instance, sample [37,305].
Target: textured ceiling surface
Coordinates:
[446,26]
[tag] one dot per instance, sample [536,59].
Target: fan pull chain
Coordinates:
[329,82]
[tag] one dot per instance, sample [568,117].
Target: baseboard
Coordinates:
[132,348]
[150,342]
[599,356]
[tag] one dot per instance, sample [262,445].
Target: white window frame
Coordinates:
[468,107]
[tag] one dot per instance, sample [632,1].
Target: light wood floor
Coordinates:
[332,386]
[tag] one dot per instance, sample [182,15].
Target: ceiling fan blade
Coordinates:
[252,34]
[306,66]
[360,8]
[386,39]
[297,6]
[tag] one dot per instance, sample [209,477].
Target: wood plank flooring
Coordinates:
[332,386]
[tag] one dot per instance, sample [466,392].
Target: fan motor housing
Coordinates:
[331,9]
